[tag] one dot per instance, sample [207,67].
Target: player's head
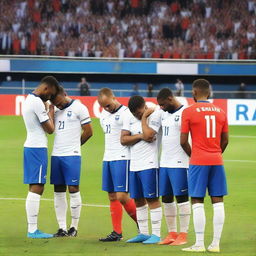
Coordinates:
[137,106]
[60,100]
[166,100]
[48,88]
[107,100]
[201,89]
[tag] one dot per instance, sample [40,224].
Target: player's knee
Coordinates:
[73,189]
[182,199]
[167,199]
[123,198]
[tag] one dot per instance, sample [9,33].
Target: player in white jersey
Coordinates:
[115,173]
[173,164]
[144,174]
[70,119]
[37,121]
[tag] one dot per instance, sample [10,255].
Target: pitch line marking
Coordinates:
[240,161]
[47,199]
[242,137]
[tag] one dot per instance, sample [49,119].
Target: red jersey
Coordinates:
[205,122]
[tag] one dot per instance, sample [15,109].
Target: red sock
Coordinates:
[130,208]
[116,211]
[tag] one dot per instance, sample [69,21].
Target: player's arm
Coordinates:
[224,141]
[48,125]
[148,132]
[128,140]
[86,132]
[185,144]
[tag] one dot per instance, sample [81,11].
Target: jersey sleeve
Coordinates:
[83,114]
[40,111]
[185,124]
[126,123]
[154,120]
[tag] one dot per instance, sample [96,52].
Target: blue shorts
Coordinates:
[173,181]
[115,176]
[144,184]
[65,170]
[35,165]
[201,177]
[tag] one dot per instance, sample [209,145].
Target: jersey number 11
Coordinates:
[210,126]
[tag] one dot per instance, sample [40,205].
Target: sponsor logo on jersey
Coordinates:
[177,118]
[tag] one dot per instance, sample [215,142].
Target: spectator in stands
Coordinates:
[84,87]
[135,90]
[150,90]
[179,88]
[242,91]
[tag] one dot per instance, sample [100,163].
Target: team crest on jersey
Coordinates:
[69,114]
[117,117]
[177,118]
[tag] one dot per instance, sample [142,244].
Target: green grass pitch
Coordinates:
[239,234]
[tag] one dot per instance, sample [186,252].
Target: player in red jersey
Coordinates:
[208,127]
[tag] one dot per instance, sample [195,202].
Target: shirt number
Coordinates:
[166,130]
[108,128]
[210,126]
[61,125]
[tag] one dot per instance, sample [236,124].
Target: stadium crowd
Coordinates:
[198,29]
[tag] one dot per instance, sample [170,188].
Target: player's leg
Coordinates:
[170,209]
[35,170]
[136,192]
[60,200]
[197,184]
[71,169]
[116,209]
[217,189]
[178,177]
[150,181]
[120,178]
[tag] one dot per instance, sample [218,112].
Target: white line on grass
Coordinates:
[242,137]
[46,199]
[241,161]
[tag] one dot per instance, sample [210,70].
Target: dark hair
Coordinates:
[201,84]
[50,81]
[135,102]
[164,94]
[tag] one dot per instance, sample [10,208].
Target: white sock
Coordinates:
[75,207]
[32,210]
[61,205]
[142,219]
[184,214]
[199,223]
[156,219]
[170,213]
[218,222]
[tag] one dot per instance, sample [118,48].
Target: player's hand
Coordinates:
[51,109]
[149,139]
[47,104]
[148,112]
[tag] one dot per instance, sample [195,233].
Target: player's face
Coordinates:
[47,92]
[59,101]
[166,104]
[139,112]
[109,104]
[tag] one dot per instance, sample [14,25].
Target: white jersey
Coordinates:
[68,121]
[144,155]
[112,124]
[34,114]
[173,155]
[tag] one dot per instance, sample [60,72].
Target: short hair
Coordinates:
[164,94]
[106,91]
[50,81]
[135,102]
[202,85]
[61,91]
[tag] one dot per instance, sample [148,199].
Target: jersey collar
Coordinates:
[68,104]
[205,101]
[172,112]
[116,109]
